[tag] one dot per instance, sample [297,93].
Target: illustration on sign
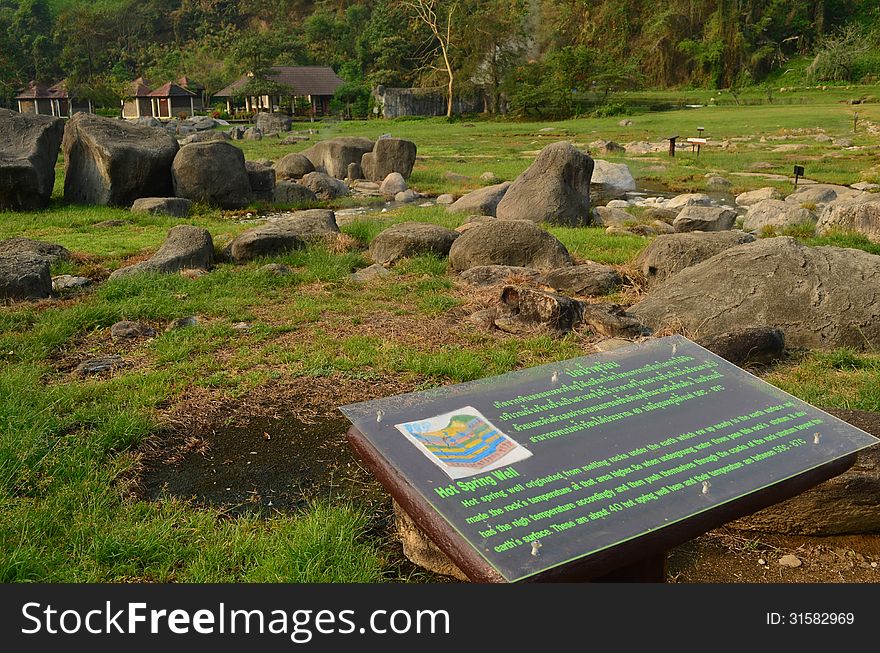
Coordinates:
[463,442]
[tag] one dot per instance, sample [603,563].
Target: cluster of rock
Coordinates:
[25,269]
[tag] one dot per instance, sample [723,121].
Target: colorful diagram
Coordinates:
[463,442]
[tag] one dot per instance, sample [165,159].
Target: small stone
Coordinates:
[67,282]
[126,330]
[610,344]
[790,561]
[375,271]
[98,365]
[445,198]
[242,326]
[276,268]
[407,196]
[761,561]
[193,273]
[182,323]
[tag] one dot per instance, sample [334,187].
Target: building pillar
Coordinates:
[192,107]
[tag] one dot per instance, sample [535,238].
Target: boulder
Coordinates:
[607,216]
[324,186]
[205,137]
[612,176]
[147,121]
[284,235]
[370,273]
[660,213]
[333,156]
[49,251]
[688,199]
[354,171]
[406,196]
[69,283]
[411,239]
[756,345]
[754,196]
[808,292]
[252,134]
[554,189]
[704,218]
[612,321]
[845,504]
[99,365]
[24,275]
[272,123]
[607,147]
[523,310]
[389,155]
[778,215]
[717,183]
[262,181]
[669,254]
[114,162]
[861,215]
[236,133]
[29,147]
[585,279]
[185,247]
[490,178]
[520,243]
[176,207]
[213,173]
[293,166]
[290,192]
[820,195]
[420,549]
[445,198]
[483,201]
[490,275]
[391,185]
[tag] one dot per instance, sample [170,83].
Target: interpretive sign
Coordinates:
[541,467]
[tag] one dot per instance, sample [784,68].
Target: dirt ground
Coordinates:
[258,456]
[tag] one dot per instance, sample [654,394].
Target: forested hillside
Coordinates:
[531,51]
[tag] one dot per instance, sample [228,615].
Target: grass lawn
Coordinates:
[72,449]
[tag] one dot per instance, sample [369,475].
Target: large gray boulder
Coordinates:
[52,252]
[704,218]
[389,155]
[483,201]
[555,189]
[820,195]
[213,173]
[807,292]
[28,152]
[176,207]
[114,162]
[391,185]
[262,181]
[761,195]
[411,239]
[586,279]
[293,166]
[612,177]
[185,247]
[324,186]
[24,275]
[290,192]
[671,253]
[861,215]
[272,123]
[519,243]
[333,156]
[284,235]
[777,214]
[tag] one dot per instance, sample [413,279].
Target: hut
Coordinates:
[315,84]
[171,101]
[54,100]
[194,87]
[138,103]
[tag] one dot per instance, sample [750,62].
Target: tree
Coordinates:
[441,27]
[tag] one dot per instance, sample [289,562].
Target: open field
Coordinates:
[77,454]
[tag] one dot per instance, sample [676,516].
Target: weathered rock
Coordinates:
[68,283]
[29,147]
[333,156]
[612,176]
[213,173]
[688,199]
[704,218]
[861,215]
[585,279]
[808,292]
[455,177]
[290,192]
[115,162]
[672,253]
[607,147]
[555,189]
[98,365]
[522,310]
[176,207]
[129,330]
[324,186]
[489,275]
[420,549]
[236,133]
[445,198]
[147,121]
[185,247]
[393,184]
[607,216]
[489,178]
[389,155]
[406,196]
[820,195]
[206,137]
[284,235]
[411,239]
[262,181]
[865,185]
[483,200]
[611,344]
[370,273]
[354,171]
[756,345]
[717,183]
[52,252]
[662,227]
[661,213]
[612,321]
[277,269]
[252,134]
[272,123]
[754,196]
[24,275]
[182,323]
[293,166]
[778,215]
[520,243]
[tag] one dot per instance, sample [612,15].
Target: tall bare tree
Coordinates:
[439,19]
